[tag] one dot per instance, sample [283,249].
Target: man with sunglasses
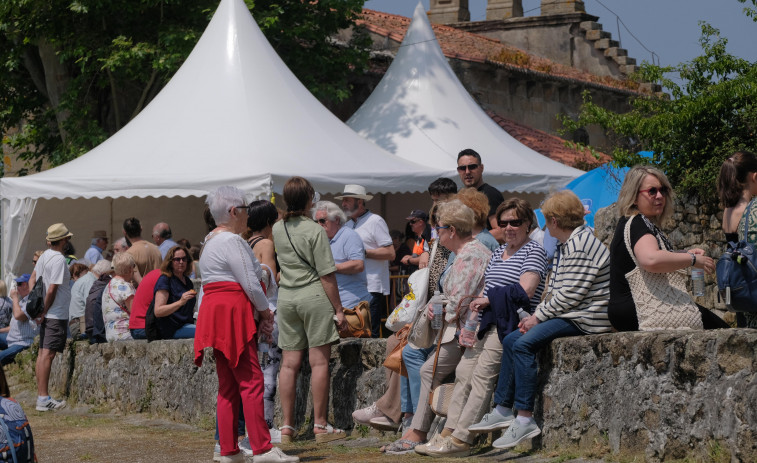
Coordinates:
[146,255]
[471,170]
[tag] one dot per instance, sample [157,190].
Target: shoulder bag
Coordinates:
[441,396]
[358,321]
[737,272]
[414,300]
[394,359]
[35,304]
[661,299]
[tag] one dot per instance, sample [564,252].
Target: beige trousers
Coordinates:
[390,403]
[449,356]
[474,384]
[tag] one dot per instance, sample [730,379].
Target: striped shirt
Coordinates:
[579,289]
[531,257]
[22,333]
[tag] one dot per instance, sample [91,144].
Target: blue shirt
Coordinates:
[345,246]
[93,254]
[165,246]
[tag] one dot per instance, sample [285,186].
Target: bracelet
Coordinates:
[693,259]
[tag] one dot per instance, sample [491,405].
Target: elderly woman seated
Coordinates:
[465,277]
[117,298]
[575,304]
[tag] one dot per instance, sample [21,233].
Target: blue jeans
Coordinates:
[9,354]
[138,333]
[185,332]
[517,375]
[3,342]
[410,387]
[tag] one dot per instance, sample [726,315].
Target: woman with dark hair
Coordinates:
[308,305]
[175,295]
[737,187]
[646,199]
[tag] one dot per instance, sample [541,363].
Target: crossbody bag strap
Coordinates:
[123,307]
[295,250]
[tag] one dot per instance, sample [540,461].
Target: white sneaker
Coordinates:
[244,446]
[365,415]
[275,455]
[492,421]
[275,436]
[217,452]
[50,404]
[236,458]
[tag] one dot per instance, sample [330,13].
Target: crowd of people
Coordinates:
[275,285]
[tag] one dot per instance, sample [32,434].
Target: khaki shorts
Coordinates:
[305,318]
[52,334]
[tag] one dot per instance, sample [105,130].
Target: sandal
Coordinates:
[287,438]
[331,434]
[401,447]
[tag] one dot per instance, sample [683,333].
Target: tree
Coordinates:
[73,72]
[711,114]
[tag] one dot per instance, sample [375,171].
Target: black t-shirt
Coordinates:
[495,199]
[622,310]
[168,325]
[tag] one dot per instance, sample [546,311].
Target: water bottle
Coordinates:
[438,307]
[522,314]
[468,333]
[697,282]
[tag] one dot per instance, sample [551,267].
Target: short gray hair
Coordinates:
[221,200]
[101,267]
[333,212]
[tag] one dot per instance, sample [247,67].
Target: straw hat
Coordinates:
[102,234]
[354,191]
[57,232]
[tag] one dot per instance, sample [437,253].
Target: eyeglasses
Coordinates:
[180,259]
[513,223]
[470,167]
[246,208]
[322,221]
[443,227]
[652,192]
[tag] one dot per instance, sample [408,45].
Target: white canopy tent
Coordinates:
[232,115]
[421,112]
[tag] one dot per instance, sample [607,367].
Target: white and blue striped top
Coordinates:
[529,258]
[579,289]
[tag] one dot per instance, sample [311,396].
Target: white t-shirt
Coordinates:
[51,266]
[375,234]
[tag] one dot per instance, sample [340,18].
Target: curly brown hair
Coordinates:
[166,268]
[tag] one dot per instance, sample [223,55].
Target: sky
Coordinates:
[669,28]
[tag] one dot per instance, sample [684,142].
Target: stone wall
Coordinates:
[657,395]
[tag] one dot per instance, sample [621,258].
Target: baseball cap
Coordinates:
[23,278]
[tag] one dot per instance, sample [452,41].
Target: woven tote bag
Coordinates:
[662,301]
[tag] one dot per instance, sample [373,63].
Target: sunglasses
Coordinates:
[322,221]
[180,259]
[470,167]
[513,223]
[443,227]
[414,221]
[652,192]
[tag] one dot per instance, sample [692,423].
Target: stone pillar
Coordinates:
[549,7]
[504,9]
[448,11]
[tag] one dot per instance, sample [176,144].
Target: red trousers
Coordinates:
[245,381]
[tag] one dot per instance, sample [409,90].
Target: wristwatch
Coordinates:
[693,258]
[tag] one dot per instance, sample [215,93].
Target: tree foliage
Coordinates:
[709,115]
[73,72]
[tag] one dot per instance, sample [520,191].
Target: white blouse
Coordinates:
[227,257]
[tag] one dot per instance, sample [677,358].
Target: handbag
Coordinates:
[394,359]
[358,321]
[414,300]
[152,330]
[440,398]
[661,299]
[737,273]
[35,303]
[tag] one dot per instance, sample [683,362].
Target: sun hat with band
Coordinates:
[354,191]
[57,232]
